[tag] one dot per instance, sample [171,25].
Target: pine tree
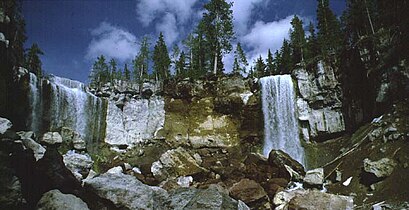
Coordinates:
[259,67]
[297,39]
[329,34]
[33,61]
[161,60]
[240,60]
[127,73]
[270,68]
[142,60]
[175,57]
[217,27]
[113,69]
[286,64]
[99,73]
[181,66]
[312,49]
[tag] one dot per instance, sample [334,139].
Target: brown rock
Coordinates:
[247,190]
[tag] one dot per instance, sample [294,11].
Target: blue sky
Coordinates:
[72,33]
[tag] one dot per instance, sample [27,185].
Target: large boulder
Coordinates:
[381,168]
[175,163]
[79,164]
[126,192]
[5,124]
[314,178]
[311,200]
[51,138]
[211,198]
[56,200]
[248,191]
[37,149]
[282,160]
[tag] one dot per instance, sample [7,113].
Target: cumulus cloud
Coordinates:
[169,28]
[242,12]
[149,10]
[113,42]
[266,35]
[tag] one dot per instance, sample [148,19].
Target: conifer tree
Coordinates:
[217,27]
[127,72]
[286,64]
[181,66]
[240,60]
[113,69]
[33,61]
[270,68]
[297,39]
[329,34]
[259,67]
[161,60]
[141,61]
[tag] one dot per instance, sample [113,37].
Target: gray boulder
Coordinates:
[5,124]
[381,168]
[314,178]
[311,200]
[51,138]
[79,164]
[126,192]
[55,200]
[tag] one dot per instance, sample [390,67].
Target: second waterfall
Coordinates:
[280,122]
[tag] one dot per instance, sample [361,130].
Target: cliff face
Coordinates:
[319,103]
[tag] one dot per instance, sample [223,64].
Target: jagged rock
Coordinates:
[79,164]
[185,181]
[314,178]
[175,163]
[247,190]
[69,136]
[115,170]
[126,192]
[211,198]
[37,149]
[56,200]
[4,40]
[5,124]
[51,138]
[311,200]
[280,160]
[381,168]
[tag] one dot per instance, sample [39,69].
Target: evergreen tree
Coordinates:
[270,68]
[297,39]
[142,60]
[161,60]
[329,34]
[127,73]
[33,61]
[181,66]
[259,67]
[113,69]
[277,62]
[312,49]
[240,60]
[99,73]
[217,27]
[175,57]
[286,64]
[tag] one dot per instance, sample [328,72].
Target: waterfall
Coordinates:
[280,123]
[62,102]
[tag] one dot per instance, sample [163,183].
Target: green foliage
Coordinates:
[286,61]
[259,67]
[161,60]
[240,60]
[113,69]
[297,39]
[33,61]
[181,66]
[217,28]
[141,61]
[270,67]
[99,74]
[127,73]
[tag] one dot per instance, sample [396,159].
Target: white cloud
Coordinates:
[263,36]
[242,12]
[112,42]
[169,28]
[149,10]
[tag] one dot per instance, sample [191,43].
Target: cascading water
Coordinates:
[63,102]
[280,122]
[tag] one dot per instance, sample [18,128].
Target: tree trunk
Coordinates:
[215,63]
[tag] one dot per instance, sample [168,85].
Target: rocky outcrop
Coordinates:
[314,178]
[138,120]
[319,103]
[56,200]
[72,138]
[311,200]
[51,138]
[28,142]
[381,168]
[5,124]
[248,191]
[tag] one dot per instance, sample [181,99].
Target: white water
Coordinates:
[67,103]
[280,123]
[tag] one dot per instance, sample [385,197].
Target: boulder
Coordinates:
[175,163]
[56,200]
[37,149]
[126,192]
[5,124]
[70,136]
[381,168]
[311,200]
[79,164]
[247,190]
[314,178]
[51,138]
[282,160]
[211,198]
